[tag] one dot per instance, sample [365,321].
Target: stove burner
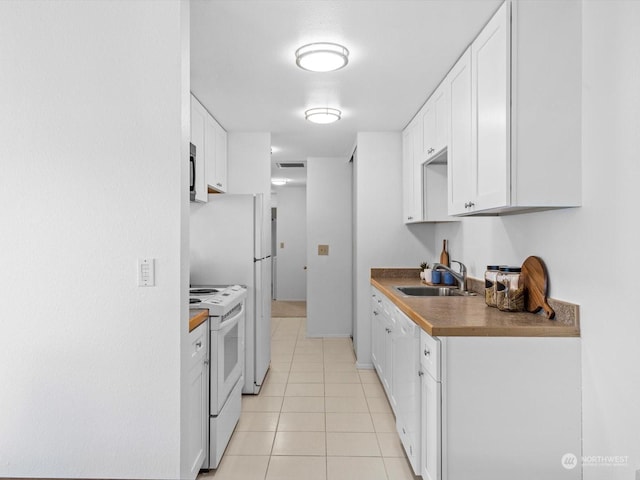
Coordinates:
[194,300]
[203,291]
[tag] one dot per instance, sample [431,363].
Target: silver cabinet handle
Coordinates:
[430,150]
[219,184]
[409,218]
[469,205]
[420,373]
[427,352]
[375,313]
[198,344]
[206,362]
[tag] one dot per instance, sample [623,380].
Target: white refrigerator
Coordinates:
[231,244]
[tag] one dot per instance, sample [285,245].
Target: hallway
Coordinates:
[317,417]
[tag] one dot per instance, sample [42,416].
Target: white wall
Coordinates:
[591,252]
[383,240]
[93,176]
[291,230]
[329,222]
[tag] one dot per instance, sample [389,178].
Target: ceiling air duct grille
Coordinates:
[290,165]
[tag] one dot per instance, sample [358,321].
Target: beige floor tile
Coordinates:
[281,357]
[390,445]
[304,390]
[346,404]
[273,390]
[352,468]
[345,367]
[341,377]
[303,404]
[299,443]
[373,390]
[349,422]
[301,422]
[250,443]
[352,444]
[384,422]
[240,467]
[258,422]
[308,357]
[368,376]
[337,341]
[297,468]
[378,405]
[280,367]
[399,469]
[257,403]
[306,377]
[343,390]
[307,367]
[340,358]
[276,377]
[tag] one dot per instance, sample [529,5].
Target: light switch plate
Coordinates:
[323,249]
[146,272]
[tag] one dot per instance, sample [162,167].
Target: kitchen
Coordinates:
[94,144]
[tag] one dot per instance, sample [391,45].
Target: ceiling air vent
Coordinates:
[290,164]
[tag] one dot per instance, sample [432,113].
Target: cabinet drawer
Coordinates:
[198,344]
[430,354]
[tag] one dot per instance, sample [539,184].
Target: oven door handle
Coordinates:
[229,323]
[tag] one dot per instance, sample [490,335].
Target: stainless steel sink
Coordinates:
[429,291]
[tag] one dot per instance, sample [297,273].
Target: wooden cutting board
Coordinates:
[536,283]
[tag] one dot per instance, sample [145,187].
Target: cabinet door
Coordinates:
[442,102]
[377,336]
[210,143]
[220,180]
[490,80]
[431,428]
[459,161]
[198,397]
[408,171]
[418,186]
[198,121]
[429,128]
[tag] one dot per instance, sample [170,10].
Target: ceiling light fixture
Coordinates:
[322,57]
[279,181]
[323,115]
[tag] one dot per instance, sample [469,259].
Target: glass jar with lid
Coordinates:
[509,291]
[490,279]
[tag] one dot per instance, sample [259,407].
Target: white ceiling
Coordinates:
[243,65]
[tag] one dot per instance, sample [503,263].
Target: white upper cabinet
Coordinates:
[459,171]
[198,121]
[217,178]
[525,113]
[210,140]
[411,178]
[435,123]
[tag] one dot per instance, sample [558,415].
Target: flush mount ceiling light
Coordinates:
[322,57]
[323,115]
[279,181]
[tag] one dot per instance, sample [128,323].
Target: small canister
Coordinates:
[509,292]
[490,278]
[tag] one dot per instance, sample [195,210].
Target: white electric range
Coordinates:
[226,305]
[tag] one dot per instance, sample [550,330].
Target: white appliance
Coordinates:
[230,243]
[226,324]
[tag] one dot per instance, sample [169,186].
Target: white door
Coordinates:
[459,161]
[490,80]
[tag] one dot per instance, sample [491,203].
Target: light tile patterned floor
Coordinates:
[317,417]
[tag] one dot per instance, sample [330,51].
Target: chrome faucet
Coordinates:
[461,277]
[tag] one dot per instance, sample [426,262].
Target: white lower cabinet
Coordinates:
[482,408]
[198,397]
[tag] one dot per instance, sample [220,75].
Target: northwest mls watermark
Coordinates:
[570,461]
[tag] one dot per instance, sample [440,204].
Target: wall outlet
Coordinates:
[323,249]
[281,244]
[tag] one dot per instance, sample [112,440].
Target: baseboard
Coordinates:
[364,366]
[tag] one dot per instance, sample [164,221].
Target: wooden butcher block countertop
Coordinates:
[197,316]
[470,316]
